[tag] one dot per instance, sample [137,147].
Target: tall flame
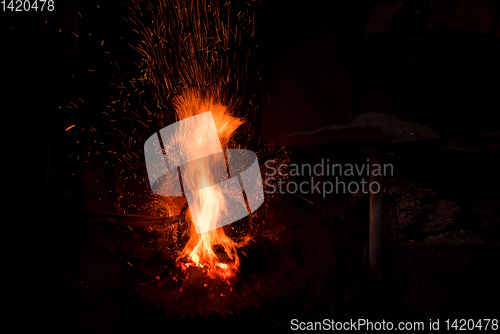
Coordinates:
[211,202]
[197,57]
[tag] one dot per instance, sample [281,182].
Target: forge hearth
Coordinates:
[287,262]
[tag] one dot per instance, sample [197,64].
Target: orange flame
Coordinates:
[199,250]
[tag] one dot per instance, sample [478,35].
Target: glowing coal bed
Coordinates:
[289,266]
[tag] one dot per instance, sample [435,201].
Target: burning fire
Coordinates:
[197,56]
[200,249]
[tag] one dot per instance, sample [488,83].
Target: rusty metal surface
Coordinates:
[328,137]
[366,129]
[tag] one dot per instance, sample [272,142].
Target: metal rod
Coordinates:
[126,219]
[376,225]
[317,195]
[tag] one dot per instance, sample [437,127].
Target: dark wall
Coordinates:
[432,62]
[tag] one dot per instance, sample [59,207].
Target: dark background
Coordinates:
[435,63]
